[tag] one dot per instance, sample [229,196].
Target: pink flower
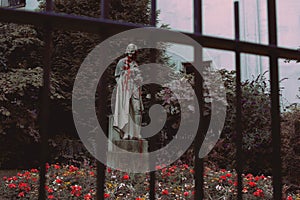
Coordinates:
[92,173]
[186,194]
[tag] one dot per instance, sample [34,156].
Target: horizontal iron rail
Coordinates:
[110,27]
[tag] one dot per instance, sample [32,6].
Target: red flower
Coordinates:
[249,177]
[289,198]
[34,171]
[185,166]
[228,175]
[223,177]
[50,197]
[11,185]
[252,184]
[92,173]
[34,179]
[56,166]
[109,170]
[138,198]
[106,195]
[76,190]
[21,194]
[58,181]
[4,178]
[27,174]
[49,190]
[258,193]
[72,168]
[125,177]
[47,166]
[262,177]
[87,196]
[22,185]
[186,194]
[165,192]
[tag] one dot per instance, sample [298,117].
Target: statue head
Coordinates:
[131,50]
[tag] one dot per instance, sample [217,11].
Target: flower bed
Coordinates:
[173,182]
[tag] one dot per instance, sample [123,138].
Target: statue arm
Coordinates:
[118,70]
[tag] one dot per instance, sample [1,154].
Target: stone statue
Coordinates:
[128,105]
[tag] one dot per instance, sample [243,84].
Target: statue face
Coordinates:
[133,55]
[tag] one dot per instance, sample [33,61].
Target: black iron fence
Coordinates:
[106,27]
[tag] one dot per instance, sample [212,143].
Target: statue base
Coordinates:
[116,157]
[119,159]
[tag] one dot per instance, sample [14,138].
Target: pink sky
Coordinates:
[218,21]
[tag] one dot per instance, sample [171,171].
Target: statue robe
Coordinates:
[128,106]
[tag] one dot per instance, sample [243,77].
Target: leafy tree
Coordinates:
[20,50]
[256,126]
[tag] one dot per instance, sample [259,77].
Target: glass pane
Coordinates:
[177,14]
[288,20]
[218,18]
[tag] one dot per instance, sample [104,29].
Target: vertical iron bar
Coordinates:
[152,176]
[275,106]
[100,180]
[45,104]
[153,13]
[199,169]
[153,60]
[105,9]
[198,28]
[100,167]
[239,135]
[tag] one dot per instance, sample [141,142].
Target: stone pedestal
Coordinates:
[117,156]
